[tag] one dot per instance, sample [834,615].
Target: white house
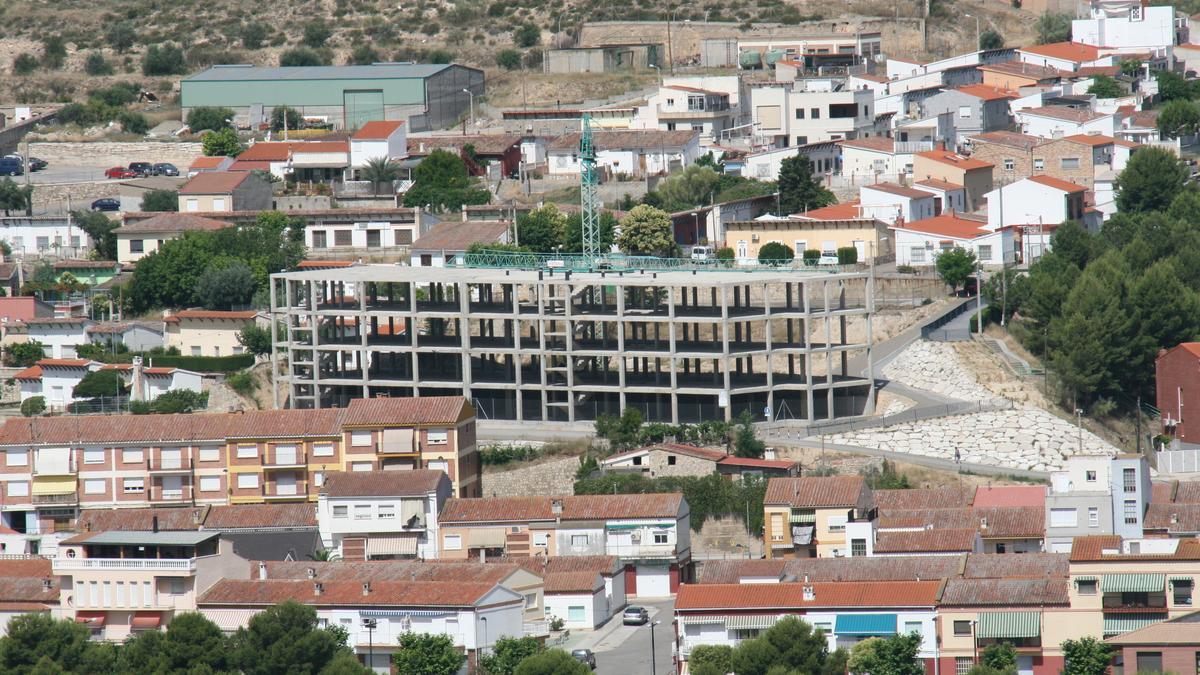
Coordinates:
[673,107]
[379,138]
[877,157]
[1128,27]
[1057,121]
[1035,200]
[382,515]
[766,164]
[810,111]
[919,243]
[1064,56]
[138,337]
[54,379]
[59,336]
[890,203]
[947,196]
[56,236]
[577,598]
[632,153]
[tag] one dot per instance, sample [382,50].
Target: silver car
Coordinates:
[635,616]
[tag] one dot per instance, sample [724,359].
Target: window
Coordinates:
[362,511]
[858,548]
[137,246]
[741,634]
[210,483]
[404,237]
[1009,164]
[193,204]
[1093,516]
[318,239]
[442,465]
[579,540]
[322,449]
[842,110]
[1090,476]
[1039,164]
[452,542]
[373,239]
[541,539]
[94,487]
[963,665]
[1063,517]
[239,350]
[985,252]
[210,453]
[661,538]
[361,466]
[16,458]
[342,238]
[318,478]
[962,628]
[387,511]
[133,486]
[576,613]
[1086,586]
[18,488]
[799,113]
[815,113]
[196,351]
[43,243]
[175,586]
[1149,662]
[823,626]
[247,481]
[1182,592]
[837,523]
[964,111]
[670,460]
[1131,512]
[637,461]
[218,204]
[437,437]
[912,627]
[341,511]
[530,600]
[1069,162]
[917,254]
[93,455]
[247,451]
[1129,476]
[360,439]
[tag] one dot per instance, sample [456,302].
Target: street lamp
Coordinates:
[660,75]
[468,93]
[653,664]
[485,633]
[696,225]
[970,16]
[370,624]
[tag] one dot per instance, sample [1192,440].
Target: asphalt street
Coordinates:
[626,649]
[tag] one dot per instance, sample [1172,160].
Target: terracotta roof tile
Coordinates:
[881,568]
[945,225]
[1091,548]
[818,492]
[346,593]
[954,159]
[938,184]
[484,144]
[395,570]
[730,571]
[755,463]
[65,363]
[899,190]
[1009,566]
[260,516]
[1182,631]
[1065,51]
[246,315]
[876,143]
[932,498]
[208,162]
[987,92]
[573,582]
[926,541]
[1011,139]
[30,373]
[675,448]
[1026,70]
[169,519]
[377,130]
[419,411]
[1090,139]
[582,507]
[1062,112]
[457,236]
[791,595]
[173,222]
[1058,184]
[1005,592]
[213,183]
[1189,490]
[844,211]
[382,483]
[1010,495]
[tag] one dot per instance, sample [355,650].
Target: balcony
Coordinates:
[276,492]
[280,458]
[68,499]
[168,465]
[643,551]
[161,495]
[124,564]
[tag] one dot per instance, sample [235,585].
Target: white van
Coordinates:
[703,253]
[828,258]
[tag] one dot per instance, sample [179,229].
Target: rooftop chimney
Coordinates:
[154,523]
[809,594]
[47,584]
[262,571]
[556,506]
[318,588]
[366,588]
[312,573]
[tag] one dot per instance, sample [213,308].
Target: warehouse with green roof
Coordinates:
[426,96]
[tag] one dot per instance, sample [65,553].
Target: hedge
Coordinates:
[200,364]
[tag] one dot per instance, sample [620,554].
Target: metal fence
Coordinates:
[799,429]
[575,262]
[936,330]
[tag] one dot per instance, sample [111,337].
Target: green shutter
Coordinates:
[1115,625]
[1010,624]
[750,622]
[693,620]
[865,624]
[1133,583]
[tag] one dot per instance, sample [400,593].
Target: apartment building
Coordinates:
[971,173]
[649,533]
[677,106]
[205,332]
[1032,614]
[1076,159]
[381,515]
[973,109]
[810,111]
[1097,495]
[821,517]
[122,582]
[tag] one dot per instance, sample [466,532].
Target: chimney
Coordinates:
[366,588]
[482,555]
[556,506]
[809,594]
[154,524]
[196,516]
[318,588]
[1174,518]
[983,523]
[312,573]
[262,571]
[47,584]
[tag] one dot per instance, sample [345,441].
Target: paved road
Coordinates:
[921,460]
[625,650]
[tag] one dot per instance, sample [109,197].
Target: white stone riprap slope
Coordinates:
[936,367]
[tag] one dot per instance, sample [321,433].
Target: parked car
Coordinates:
[584,656]
[165,169]
[11,167]
[141,168]
[119,172]
[634,615]
[106,204]
[36,164]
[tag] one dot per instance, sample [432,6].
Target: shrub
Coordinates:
[847,255]
[775,252]
[725,253]
[133,122]
[905,269]
[54,52]
[556,623]
[439,56]
[24,354]
[527,35]
[163,60]
[121,36]
[316,34]
[179,401]
[24,64]
[363,55]
[202,118]
[253,35]
[300,56]
[96,65]
[431,28]
[34,405]
[811,256]
[508,59]
[243,383]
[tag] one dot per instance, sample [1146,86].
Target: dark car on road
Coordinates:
[165,169]
[11,166]
[36,164]
[106,204]
[635,615]
[142,168]
[584,656]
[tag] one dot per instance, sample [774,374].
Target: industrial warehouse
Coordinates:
[560,346]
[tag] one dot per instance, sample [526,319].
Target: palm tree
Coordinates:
[324,555]
[380,170]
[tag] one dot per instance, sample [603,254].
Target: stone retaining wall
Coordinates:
[552,477]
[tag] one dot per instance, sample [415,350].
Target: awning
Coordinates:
[1115,625]
[1133,583]
[865,624]
[397,440]
[53,485]
[802,535]
[1010,624]
[145,620]
[1079,579]
[1184,579]
[93,619]
[751,622]
[694,620]
[625,526]
[490,537]
[394,544]
[806,518]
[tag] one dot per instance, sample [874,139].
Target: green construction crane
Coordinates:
[587,192]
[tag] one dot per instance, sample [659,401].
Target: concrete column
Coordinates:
[412,337]
[568,339]
[726,365]
[870,317]
[540,321]
[274,339]
[807,359]
[516,329]
[621,345]
[364,354]
[672,350]
[315,341]
[766,288]
[464,335]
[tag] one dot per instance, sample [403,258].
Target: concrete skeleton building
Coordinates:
[561,347]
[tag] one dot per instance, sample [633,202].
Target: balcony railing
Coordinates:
[62,499]
[641,550]
[181,565]
[274,459]
[275,491]
[160,495]
[169,464]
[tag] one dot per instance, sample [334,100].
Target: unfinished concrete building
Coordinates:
[680,346]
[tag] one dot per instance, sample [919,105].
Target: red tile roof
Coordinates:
[755,463]
[876,143]
[818,492]
[247,315]
[938,184]
[1058,184]
[1062,112]
[879,568]
[945,225]
[383,483]
[573,582]
[418,411]
[926,541]
[455,236]
[1189,490]
[260,516]
[899,190]
[377,130]
[213,183]
[169,519]
[1064,51]
[953,159]
[730,571]
[30,373]
[674,448]
[582,507]
[173,222]
[987,92]
[65,363]
[932,498]
[1011,139]
[1010,495]
[395,570]
[1107,548]
[1091,139]
[1026,70]
[1009,566]
[1005,592]
[791,595]
[208,162]
[844,211]
[346,593]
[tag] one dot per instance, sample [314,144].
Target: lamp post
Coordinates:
[974,642]
[485,634]
[653,663]
[696,226]
[468,93]
[977,36]
[670,50]
[370,624]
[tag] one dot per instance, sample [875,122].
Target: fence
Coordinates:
[801,430]
[935,330]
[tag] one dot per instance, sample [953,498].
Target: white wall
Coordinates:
[333,530]
[1026,203]
[931,244]
[394,146]
[594,608]
[863,162]
[60,340]
[31,236]
[887,206]
[1049,127]
[1156,29]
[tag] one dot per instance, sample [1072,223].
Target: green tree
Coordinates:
[798,190]
[573,240]
[362,55]
[380,170]
[897,655]
[646,230]
[527,35]
[121,36]
[507,653]
[542,229]
[1001,656]
[428,654]
[551,662]
[990,39]
[191,643]
[1052,27]
[179,401]
[161,200]
[283,115]
[776,252]
[1104,86]
[746,443]
[66,643]
[692,187]
[301,56]
[209,118]
[955,267]
[34,405]
[225,285]
[1173,87]
[285,638]
[96,65]
[1151,179]
[1130,67]
[791,644]
[54,52]
[441,181]
[254,34]
[1177,118]
[884,477]
[101,230]
[1166,313]
[316,34]
[864,656]
[620,432]
[99,383]
[508,59]
[1086,656]
[15,197]
[24,354]
[221,143]
[710,659]
[1090,342]
[165,59]
[24,64]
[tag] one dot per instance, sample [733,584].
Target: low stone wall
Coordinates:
[104,154]
[552,477]
[936,367]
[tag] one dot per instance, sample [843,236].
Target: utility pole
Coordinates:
[979,297]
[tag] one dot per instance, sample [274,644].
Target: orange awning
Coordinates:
[94,619]
[146,620]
